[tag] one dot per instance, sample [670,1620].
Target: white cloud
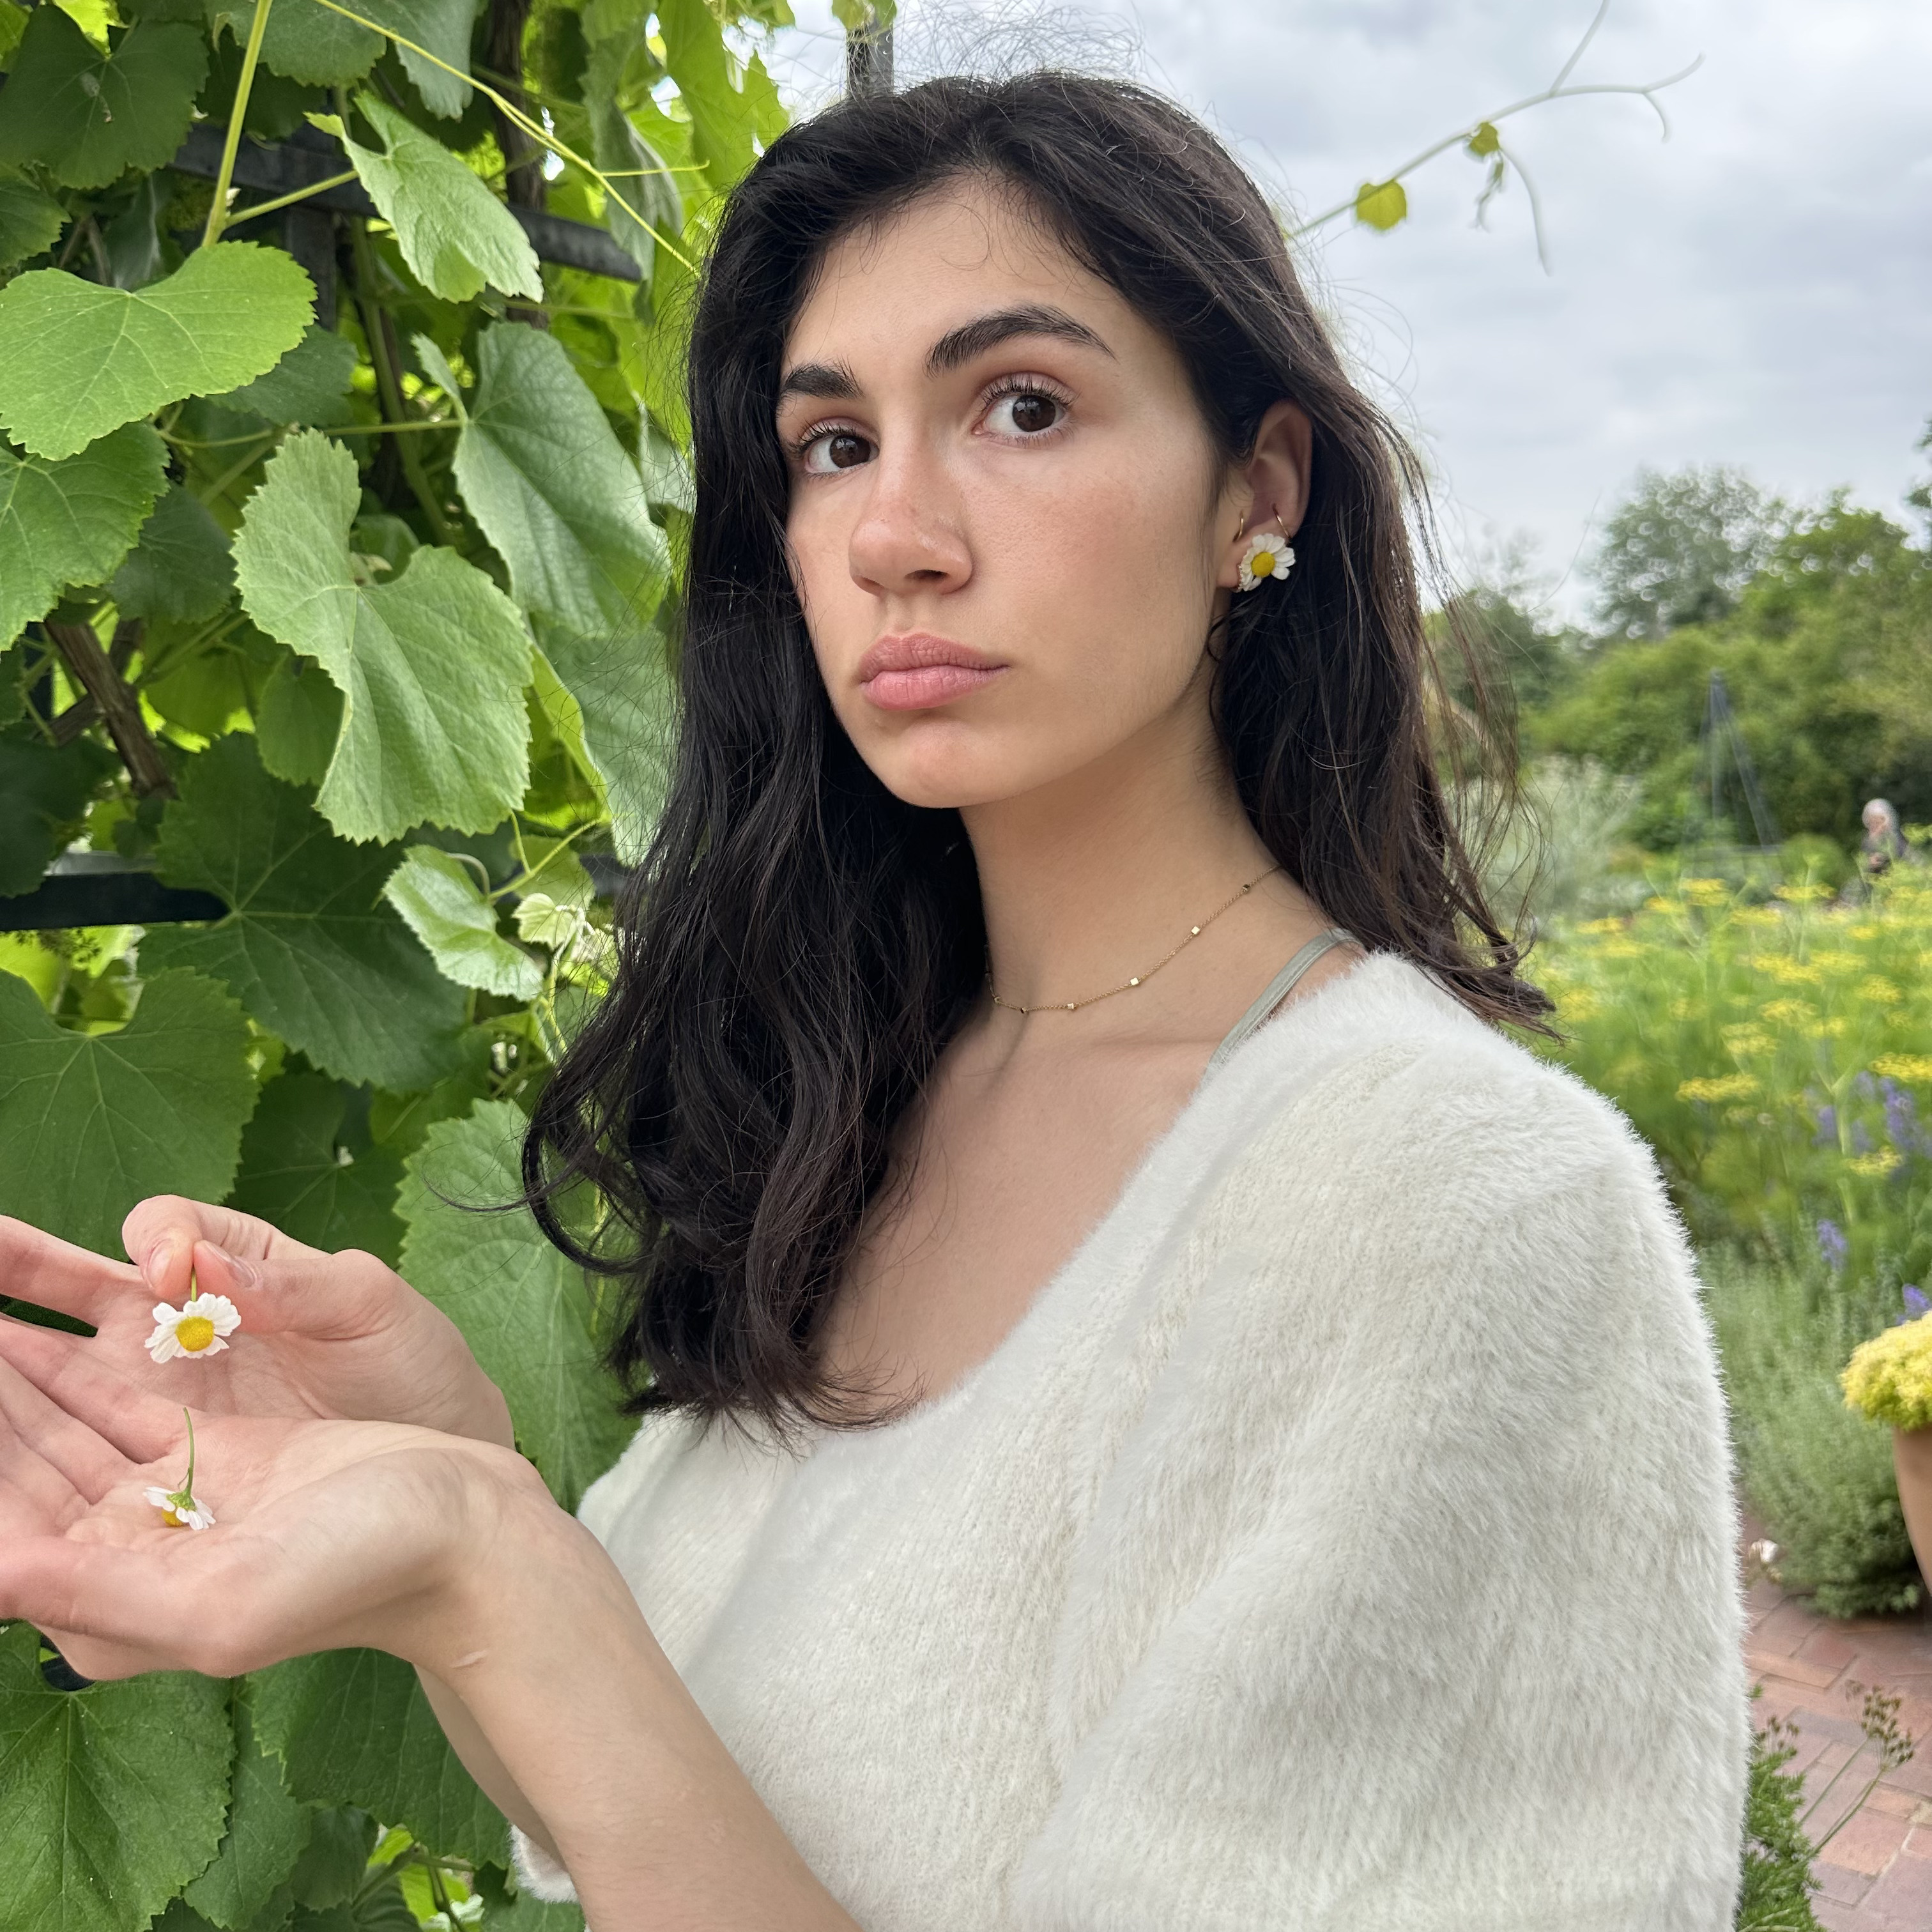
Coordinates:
[1757,290]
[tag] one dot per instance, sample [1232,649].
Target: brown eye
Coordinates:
[1024,412]
[837,449]
[1034,412]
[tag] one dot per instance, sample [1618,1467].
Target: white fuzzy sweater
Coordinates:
[1343,1541]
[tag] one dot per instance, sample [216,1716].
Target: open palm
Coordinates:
[322,1336]
[325,1532]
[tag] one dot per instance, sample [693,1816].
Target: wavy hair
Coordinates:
[799,944]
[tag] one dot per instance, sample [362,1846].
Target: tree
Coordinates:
[1828,660]
[1679,548]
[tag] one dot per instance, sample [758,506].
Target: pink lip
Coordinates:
[917,671]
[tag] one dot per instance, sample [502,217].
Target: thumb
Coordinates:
[322,1297]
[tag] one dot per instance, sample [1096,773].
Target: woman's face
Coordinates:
[1010,529]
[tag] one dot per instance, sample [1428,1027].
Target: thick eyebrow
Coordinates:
[833,381]
[974,338]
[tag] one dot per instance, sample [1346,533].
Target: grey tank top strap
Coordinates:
[1278,989]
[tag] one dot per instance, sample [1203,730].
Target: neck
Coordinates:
[1093,877]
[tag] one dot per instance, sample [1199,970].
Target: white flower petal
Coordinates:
[215,1308]
[159,1498]
[163,1346]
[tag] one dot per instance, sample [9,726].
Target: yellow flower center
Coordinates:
[194,1333]
[1263,563]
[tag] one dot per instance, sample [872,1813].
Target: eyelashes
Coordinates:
[1018,385]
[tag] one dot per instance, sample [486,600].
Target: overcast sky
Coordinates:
[1755,291]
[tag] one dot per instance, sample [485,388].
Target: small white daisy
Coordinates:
[178,1507]
[197,1328]
[180,1510]
[1268,555]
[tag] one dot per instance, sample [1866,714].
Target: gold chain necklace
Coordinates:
[1074,1006]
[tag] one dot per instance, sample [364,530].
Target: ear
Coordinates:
[1274,482]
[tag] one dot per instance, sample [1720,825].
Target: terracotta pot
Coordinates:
[1912,1458]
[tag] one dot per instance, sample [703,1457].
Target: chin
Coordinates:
[942,763]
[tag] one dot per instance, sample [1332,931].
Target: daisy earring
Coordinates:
[1268,556]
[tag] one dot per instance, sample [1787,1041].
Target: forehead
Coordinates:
[893,287]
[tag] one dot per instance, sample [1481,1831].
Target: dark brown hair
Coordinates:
[799,944]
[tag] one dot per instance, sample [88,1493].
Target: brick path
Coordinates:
[1877,1873]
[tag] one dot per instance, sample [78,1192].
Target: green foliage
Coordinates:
[355,1724]
[1827,658]
[88,116]
[90,1124]
[113,1796]
[309,947]
[70,522]
[429,666]
[385,596]
[454,234]
[77,360]
[1382,205]
[1777,1887]
[527,1311]
[1772,1051]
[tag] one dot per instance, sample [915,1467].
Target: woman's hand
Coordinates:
[324,1534]
[322,1336]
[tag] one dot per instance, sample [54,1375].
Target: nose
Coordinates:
[909,536]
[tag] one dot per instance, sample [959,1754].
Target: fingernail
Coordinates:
[243,1272]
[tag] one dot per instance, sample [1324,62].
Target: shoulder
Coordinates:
[1386,1086]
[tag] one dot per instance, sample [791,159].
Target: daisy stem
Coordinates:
[188,1481]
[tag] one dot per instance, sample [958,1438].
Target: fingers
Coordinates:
[35,1267]
[322,1297]
[72,1375]
[160,1234]
[38,1435]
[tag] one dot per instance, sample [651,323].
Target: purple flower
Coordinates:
[1901,1120]
[1832,1244]
[1864,1087]
[1827,1127]
[1916,1303]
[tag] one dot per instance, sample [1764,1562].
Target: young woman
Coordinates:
[1157,1413]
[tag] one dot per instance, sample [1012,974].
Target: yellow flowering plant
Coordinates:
[1889,1378]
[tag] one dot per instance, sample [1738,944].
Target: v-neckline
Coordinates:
[1163,1150]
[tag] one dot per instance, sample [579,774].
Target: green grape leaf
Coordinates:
[114,1795]
[88,116]
[309,384]
[1484,142]
[439,27]
[29,221]
[355,1724]
[43,790]
[454,234]
[298,722]
[91,1124]
[431,667]
[181,567]
[267,1831]
[439,897]
[1382,205]
[77,360]
[72,520]
[304,41]
[13,24]
[621,698]
[545,476]
[524,1308]
[298,1174]
[309,949]
[643,180]
[698,60]
[341,1839]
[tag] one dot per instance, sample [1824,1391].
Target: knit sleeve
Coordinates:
[1411,1603]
